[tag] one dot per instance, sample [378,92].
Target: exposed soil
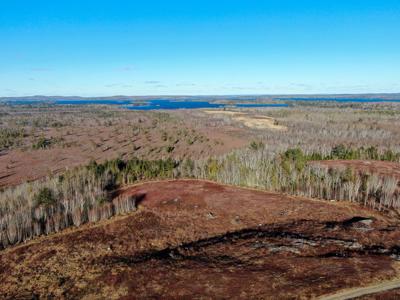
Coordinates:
[196,239]
[250,120]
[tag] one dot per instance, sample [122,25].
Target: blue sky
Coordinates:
[133,47]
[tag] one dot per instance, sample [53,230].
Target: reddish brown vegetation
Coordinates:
[100,133]
[199,238]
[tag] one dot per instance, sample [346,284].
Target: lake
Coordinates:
[155,104]
[169,104]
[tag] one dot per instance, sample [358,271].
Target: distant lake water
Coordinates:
[168,104]
[156,104]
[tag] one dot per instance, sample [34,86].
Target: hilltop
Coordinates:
[192,238]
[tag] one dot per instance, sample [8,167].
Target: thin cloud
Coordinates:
[40,69]
[126,69]
[238,88]
[112,85]
[9,91]
[301,85]
[121,85]
[152,82]
[186,84]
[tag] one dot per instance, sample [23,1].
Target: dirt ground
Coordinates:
[250,120]
[197,239]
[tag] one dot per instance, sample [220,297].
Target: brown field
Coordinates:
[81,134]
[78,134]
[196,239]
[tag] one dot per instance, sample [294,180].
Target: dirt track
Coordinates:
[192,239]
[358,292]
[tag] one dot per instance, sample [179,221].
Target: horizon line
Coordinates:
[210,95]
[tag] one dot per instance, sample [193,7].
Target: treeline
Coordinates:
[368,153]
[87,194]
[290,172]
[79,196]
[318,130]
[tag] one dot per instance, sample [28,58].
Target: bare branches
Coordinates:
[260,169]
[72,199]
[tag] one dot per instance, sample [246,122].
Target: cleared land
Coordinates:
[318,126]
[195,237]
[55,138]
[37,140]
[250,120]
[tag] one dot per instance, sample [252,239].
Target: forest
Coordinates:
[89,193]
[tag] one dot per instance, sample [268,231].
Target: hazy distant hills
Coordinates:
[391,96]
